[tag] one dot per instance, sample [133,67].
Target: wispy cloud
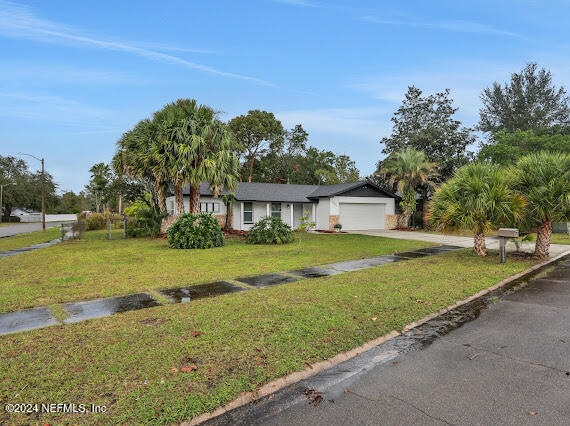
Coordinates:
[302,3]
[352,131]
[50,108]
[31,74]
[455,26]
[18,21]
[465,79]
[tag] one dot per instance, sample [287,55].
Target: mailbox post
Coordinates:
[504,235]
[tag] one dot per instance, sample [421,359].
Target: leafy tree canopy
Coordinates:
[507,147]
[255,132]
[426,124]
[23,188]
[530,101]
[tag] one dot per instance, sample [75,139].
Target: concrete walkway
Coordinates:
[40,317]
[492,243]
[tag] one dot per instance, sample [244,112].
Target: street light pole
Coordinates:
[43,197]
[41,160]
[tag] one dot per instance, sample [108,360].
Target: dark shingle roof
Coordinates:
[287,193]
[253,191]
[341,188]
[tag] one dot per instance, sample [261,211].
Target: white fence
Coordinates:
[37,217]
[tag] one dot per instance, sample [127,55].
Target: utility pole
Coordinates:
[41,160]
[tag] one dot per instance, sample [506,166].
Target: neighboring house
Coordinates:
[19,212]
[356,206]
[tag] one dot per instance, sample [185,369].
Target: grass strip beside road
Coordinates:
[95,267]
[168,364]
[559,239]
[29,239]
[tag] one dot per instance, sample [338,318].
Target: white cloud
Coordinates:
[352,131]
[302,3]
[18,21]
[51,108]
[465,79]
[455,26]
[37,74]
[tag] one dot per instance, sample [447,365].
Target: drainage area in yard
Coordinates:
[79,311]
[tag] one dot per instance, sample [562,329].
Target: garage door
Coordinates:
[358,216]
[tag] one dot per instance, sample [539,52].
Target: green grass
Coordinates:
[132,362]
[29,239]
[560,239]
[96,267]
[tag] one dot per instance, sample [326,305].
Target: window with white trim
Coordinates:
[210,207]
[248,212]
[276,210]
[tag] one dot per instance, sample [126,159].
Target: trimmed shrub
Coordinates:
[95,221]
[199,231]
[270,230]
[143,221]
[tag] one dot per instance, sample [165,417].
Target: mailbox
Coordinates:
[508,232]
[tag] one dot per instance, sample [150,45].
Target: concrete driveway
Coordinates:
[492,243]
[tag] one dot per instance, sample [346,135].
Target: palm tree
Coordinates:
[544,180]
[479,197]
[194,146]
[134,155]
[100,179]
[409,169]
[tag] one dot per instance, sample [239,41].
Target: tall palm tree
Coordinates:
[194,146]
[479,197]
[134,153]
[100,179]
[544,180]
[409,169]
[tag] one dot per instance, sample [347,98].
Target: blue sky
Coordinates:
[75,75]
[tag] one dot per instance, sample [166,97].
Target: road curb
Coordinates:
[285,381]
[282,382]
[486,291]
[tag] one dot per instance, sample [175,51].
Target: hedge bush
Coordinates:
[199,231]
[143,221]
[95,221]
[270,230]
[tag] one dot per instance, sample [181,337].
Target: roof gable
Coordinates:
[363,188]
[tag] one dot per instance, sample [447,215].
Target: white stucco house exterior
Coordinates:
[356,206]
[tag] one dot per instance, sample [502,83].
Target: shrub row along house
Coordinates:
[356,206]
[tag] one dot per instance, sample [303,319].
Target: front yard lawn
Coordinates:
[96,267]
[167,364]
[29,239]
[559,239]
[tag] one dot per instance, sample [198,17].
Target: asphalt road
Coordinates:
[24,228]
[510,366]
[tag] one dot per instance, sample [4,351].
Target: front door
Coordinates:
[297,213]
